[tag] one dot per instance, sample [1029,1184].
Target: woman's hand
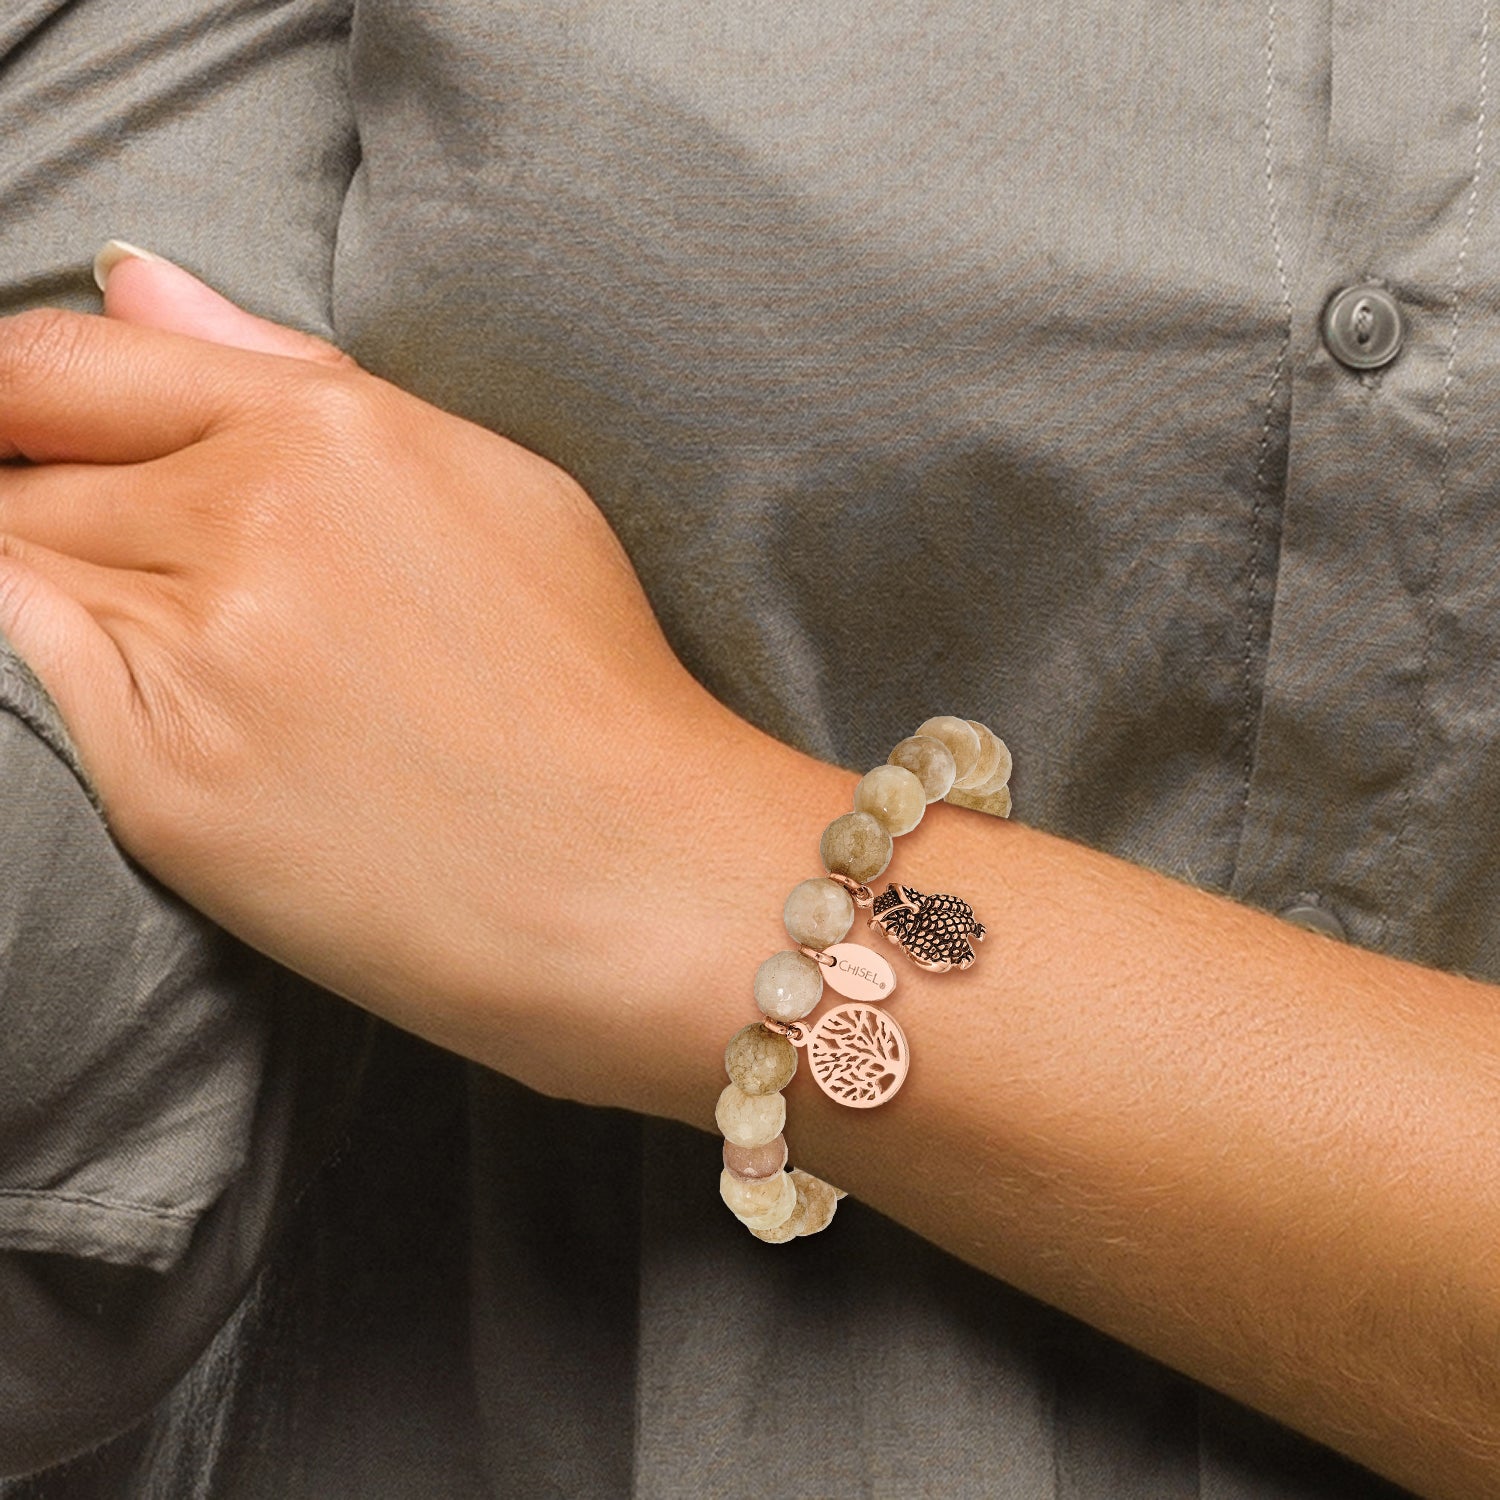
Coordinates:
[373,687]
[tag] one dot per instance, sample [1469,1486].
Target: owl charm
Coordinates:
[934,931]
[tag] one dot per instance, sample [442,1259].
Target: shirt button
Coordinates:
[1363,327]
[1314,919]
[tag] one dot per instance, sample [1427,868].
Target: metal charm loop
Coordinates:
[818,955]
[794,1031]
[862,894]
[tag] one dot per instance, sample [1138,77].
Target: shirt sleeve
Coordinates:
[130,1053]
[88,1346]
[164,1094]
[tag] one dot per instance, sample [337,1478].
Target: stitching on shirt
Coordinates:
[1263,452]
[1445,424]
[83,1200]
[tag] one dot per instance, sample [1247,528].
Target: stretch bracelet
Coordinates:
[857,1053]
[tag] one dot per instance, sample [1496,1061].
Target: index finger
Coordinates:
[82,388]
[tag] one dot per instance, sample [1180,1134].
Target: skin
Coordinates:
[393,707]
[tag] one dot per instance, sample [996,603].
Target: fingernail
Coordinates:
[113,252]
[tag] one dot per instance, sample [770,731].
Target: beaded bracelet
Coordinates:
[857,1052]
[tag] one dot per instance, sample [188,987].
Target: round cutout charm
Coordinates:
[858,1055]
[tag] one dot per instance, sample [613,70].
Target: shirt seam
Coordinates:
[1260,483]
[1422,728]
[86,1200]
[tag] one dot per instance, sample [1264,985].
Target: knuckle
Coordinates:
[335,403]
[17,587]
[328,424]
[41,342]
[14,550]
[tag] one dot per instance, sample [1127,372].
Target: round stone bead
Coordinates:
[929,760]
[996,803]
[775,1202]
[749,1119]
[856,845]
[788,985]
[786,1230]
[816,1201]
[759,1061]
[818,912]
[993,759]
[1001,776]
[894,796]
[744,1196]
[962,743]
[755,1162]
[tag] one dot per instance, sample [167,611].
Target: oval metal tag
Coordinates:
[859,972]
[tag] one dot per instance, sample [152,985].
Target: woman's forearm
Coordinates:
[1266,1158]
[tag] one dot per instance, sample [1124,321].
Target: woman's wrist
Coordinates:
[714,884]
[682,850]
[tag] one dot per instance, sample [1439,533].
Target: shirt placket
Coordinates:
[1333,824]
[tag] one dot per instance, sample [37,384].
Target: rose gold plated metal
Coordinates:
[794,1031]
[817,955]
[936,932]
[858,1055]
[859,972]
[862,894]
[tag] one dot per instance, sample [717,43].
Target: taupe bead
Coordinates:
[788,985]
[759,1061]
[777,1211]
[755,1162]
[996,803]
[816,1201]
[962,743]
[894,796]
[749,1119]
[856,845]
[787,1229]
[992,752]
[819,912]
[744,1196]
[1000,776]
[929,760]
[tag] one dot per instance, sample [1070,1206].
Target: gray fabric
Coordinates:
[147,1148]
[117,1129]
[131,1060]
[214,132]
[924,356]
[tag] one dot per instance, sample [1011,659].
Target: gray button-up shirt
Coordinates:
[925,356]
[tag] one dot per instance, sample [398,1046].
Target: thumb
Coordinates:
[144,289]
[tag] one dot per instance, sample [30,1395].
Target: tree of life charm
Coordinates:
[858,1055]
[933,931]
